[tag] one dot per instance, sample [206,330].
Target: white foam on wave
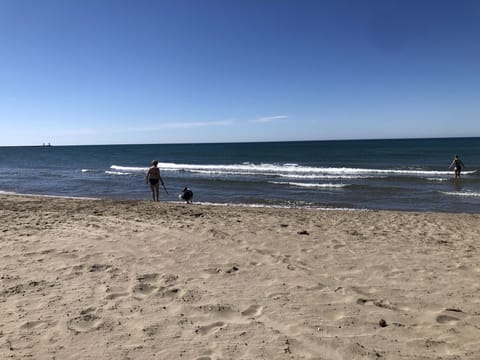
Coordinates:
[326,177]
[311,185]
[461,193]
[8,193]
[264,206]
[286,170]
[48,196]
[219,172]
[120,173]
[438,179]
[128,168]
[88,170]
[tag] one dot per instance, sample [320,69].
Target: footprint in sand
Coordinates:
[447,319]
[317,287]
[212,270]
[207,355]
[115,295]
[362,301]
[140,291]
[226,269]
[450,316]
[152,284]
[207,329]
[278,296]
[253,311]
[147,277]
[85,323]
[362,290]
[171,292]
[225,314]
[144,287]
[34,325]
[99,267]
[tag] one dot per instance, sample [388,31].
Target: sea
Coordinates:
[400,174]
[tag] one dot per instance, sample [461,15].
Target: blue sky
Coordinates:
[141,71]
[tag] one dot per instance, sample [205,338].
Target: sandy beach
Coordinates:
[95,279]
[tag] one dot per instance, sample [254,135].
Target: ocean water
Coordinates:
[358,174]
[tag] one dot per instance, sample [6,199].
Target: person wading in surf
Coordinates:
[154,179]
[457,165]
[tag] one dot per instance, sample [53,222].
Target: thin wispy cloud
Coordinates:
[269,119]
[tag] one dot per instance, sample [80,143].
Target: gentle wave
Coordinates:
[310,185]
[120,173]
[328,177]
[439,179]
[289,176]
[129,168]
[8,193]
[285,170]
[219,172]
[461,193]
[308,207]
[48,196]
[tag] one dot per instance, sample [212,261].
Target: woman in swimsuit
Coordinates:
[457,165]
[154,179]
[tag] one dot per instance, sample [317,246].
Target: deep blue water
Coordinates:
[408,174]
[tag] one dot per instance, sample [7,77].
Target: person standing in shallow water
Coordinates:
[154,179]
[457,165]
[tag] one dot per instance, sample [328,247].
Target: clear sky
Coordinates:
[158,71]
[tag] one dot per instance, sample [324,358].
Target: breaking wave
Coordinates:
[310,185]
[288,171]
[461,193]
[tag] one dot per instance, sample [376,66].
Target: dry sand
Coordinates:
[86,279]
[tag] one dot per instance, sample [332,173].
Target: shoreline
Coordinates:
[181,202]
[235,205]
[135,279]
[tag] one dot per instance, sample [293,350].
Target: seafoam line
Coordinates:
[286,170]
[461,193]
[311,185]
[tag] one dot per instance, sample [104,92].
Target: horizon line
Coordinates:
[251,141]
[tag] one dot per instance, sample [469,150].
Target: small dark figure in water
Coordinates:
[457,165]
[187,195]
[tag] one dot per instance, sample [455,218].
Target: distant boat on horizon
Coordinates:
[47,145]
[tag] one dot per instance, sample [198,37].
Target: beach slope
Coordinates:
[98,279]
